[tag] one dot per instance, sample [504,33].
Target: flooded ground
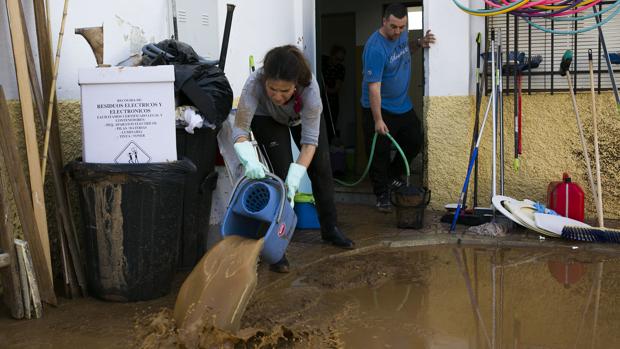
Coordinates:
[446,297]
[399,289]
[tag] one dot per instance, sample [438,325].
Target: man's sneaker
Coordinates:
[383,203]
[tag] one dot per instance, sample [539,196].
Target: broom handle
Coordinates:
[597,163]
[607,59]
[583,140]
[50,105]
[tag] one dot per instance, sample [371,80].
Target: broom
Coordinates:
[567,59]
[594,234]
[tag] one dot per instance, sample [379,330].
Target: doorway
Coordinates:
[338,31]
[349,23]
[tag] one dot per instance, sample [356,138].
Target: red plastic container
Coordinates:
[566,198]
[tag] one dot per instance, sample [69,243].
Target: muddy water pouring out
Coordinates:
[220,286]
[259,221]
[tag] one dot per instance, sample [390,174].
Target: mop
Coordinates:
[474,155]
[471,216]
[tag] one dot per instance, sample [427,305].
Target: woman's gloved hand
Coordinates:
[293,178]
[254,169]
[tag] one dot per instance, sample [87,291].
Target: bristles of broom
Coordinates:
[591,234]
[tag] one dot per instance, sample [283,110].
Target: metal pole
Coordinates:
[494,108]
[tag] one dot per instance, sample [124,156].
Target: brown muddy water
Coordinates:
[437,297]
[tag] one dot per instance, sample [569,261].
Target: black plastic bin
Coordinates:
[132,218]
[201,148]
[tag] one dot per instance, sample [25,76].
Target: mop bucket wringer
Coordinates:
[259,209]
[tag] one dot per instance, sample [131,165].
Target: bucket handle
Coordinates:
[272,176]
[427,198]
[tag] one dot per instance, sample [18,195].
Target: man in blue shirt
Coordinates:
[385,101]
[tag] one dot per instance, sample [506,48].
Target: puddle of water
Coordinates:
[446,297]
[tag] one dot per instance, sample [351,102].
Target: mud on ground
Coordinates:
[295,311]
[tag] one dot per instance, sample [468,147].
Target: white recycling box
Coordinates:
[128,114]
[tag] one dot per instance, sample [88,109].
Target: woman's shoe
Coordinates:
[337,238]
[281,266]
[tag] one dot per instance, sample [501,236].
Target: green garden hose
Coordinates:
[372,153]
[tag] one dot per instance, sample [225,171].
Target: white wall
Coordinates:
[449,67]
[261,25]
[127,26]
[257,27]
[476,25]
[7,65]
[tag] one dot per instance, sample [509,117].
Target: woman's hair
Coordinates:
[287,63]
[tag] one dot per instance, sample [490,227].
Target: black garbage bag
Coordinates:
[205,87]
[172,52]
[198,82]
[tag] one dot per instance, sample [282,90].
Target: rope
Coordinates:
[372,154]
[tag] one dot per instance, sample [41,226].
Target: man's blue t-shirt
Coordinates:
[388,62]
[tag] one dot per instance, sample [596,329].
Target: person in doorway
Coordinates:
[279,100]
[333,72]
[386,105]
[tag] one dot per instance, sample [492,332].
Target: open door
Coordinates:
[416,85]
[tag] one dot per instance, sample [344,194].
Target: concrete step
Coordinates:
[352,197]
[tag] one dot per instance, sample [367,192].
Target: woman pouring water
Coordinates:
[284,96]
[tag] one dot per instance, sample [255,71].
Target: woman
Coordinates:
[280,97]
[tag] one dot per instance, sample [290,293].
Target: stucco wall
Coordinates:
[550,146]
[71,138]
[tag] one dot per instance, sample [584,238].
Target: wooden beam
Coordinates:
[5,260]
[10,274]
[30,133]
[23,278]
[44,45]
[23,202]
[65,223]
[24,255]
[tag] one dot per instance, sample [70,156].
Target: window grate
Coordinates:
[518,35]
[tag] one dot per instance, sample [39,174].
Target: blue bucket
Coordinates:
[259,209]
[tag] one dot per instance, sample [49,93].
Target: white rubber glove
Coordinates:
[293,178]
[254,169]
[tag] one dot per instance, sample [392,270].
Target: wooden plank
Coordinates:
[66,224]
[32,150]
[24,252]
[10,275]
[44,45]
[23,201]
[23,277]
[5,260]
[55,164]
